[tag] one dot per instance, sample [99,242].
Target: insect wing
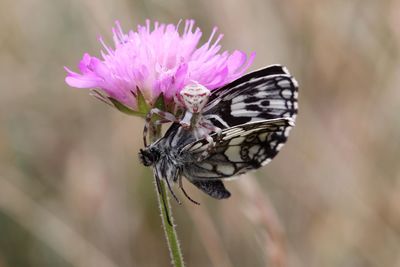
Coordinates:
[238,149]
[267,93]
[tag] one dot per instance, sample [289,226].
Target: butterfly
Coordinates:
[255,114]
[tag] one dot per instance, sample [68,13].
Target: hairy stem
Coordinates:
[167,218]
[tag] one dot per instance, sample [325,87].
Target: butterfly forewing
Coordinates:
[264,94]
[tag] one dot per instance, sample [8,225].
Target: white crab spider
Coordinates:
[193,97]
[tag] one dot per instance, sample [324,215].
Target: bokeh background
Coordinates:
[72,192]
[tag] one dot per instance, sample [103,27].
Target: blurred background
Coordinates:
[72,192]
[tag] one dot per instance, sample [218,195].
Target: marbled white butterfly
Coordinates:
[255,114]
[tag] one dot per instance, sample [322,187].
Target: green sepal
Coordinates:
[142,106]
[121,107]
[160,104]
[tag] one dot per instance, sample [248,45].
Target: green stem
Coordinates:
[169,229]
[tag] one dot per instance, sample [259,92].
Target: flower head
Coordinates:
[154,61]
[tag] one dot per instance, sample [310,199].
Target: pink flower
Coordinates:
[150,62]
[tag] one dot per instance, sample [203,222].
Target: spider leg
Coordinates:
[165,117]
[211,143]
[179,103]
[208,150]
[211,127]
[157,123]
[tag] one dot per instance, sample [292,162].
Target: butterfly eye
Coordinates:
[148,156]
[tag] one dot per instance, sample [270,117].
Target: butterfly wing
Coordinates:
[267,93]
[237,150]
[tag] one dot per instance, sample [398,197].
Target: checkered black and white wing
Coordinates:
[267,93]
[238,149]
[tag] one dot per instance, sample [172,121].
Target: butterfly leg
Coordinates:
[184,191]
[165,117]
[172,192]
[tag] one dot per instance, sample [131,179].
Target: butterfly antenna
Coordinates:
[163,196]
[186,194]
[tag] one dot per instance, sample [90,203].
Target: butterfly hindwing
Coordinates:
[238,149]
